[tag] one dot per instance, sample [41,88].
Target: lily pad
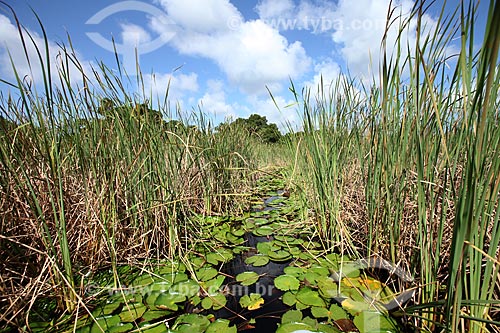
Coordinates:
[294,271]
[355,307]
[103,323]
[153,315]
[106,309]
[206,273]
[289,298]
[216,301]
[257,260]
[286,282]
[121,328]
[221,326]
[263,231]
[294,327]
[247,278]
[374,322]
[279,256]
[291,316]
[168,301]
[187,288]
[310,297]
[132,312]
[252,302]
[191,323]
[212,286]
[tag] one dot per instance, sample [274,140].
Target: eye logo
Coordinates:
[128,53]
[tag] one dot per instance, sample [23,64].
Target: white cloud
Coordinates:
[251,54]
[206,16]
[328,70]
[179,85]
[134,35]
[269,9]
[214,102]
[12,49]
[285,116]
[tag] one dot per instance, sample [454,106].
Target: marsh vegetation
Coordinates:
[101,186]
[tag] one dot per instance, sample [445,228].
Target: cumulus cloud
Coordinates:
[12,53]
[285,116]
[270,9]
[134,35]
[252,54]
[177,84]
[206,16]
[328,70]
[214,102]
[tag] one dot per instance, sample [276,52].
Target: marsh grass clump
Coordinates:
[92,175]
[407,168]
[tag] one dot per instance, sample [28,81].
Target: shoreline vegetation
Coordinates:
[406,168]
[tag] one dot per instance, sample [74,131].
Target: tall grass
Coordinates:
[408,168]
[91,177]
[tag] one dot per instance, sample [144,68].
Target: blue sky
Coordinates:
[229,51]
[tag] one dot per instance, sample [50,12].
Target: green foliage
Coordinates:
[257,126]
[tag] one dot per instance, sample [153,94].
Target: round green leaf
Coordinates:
[132,312]
[257,260]
[291,316]
[251,302]
[310,297]
[289,298]
[247,278]
[294,327]
[206,273]
[221,326]
[286,282]
[374,322]
[263,231]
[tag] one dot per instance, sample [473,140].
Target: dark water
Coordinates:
[269,314]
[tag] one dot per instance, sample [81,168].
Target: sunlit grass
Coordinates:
[408,169]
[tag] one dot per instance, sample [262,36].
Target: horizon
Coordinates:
[220,56]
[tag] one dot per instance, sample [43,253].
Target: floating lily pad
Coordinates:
[329,288]
[263,231]
[289,298]
[251,302]
[247,278]
[374,322]
[291,316]
[221,326]
[355,307]
[192,323]
[310,297]
[206,273]
[103,323]
[153,315]
[121,328]
[260,221]
[159,286]
[212,286]
[106,309]
[132,312]
[294,271]
[257,260]
[294,327]
[187,288]
[153,328]
[279,256]
[168,301]
[216,301]
[286,282]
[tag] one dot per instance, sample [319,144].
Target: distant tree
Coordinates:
[257,126]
